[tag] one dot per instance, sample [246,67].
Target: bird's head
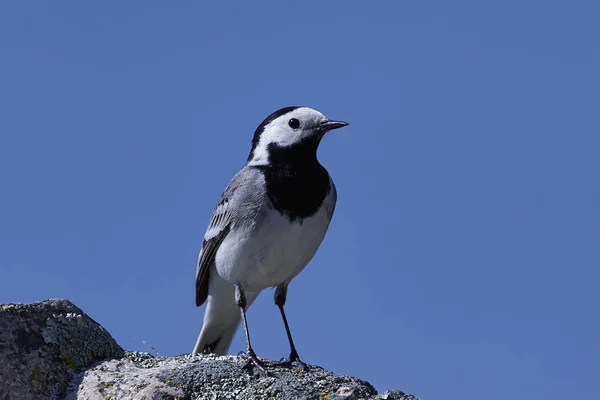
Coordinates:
[288,127]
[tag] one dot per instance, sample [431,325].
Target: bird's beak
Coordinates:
[331,125]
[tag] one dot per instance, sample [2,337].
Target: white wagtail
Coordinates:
[267,226]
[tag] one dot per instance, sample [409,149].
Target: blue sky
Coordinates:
[463,258]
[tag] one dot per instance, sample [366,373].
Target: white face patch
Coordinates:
[281,133]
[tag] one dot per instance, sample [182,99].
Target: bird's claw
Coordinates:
[254,362]
[289,362]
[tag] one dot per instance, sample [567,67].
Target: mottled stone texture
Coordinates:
[52,350]
[141,376]
[43,345]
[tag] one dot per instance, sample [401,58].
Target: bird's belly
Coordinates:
[273,253]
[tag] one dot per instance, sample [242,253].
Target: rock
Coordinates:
[51,350]
[43,345]
[140,375]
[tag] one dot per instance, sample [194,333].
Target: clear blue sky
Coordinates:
[463,258]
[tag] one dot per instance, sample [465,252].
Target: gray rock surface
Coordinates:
[52,350]
[43,345]
[141,376]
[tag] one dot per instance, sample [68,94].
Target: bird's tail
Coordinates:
[221,320]
[216,339]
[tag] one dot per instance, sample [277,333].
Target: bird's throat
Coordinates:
[297,183]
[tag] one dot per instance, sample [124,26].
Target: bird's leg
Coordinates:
[280,297]
[240,300]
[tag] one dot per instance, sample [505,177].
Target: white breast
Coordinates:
[274,250]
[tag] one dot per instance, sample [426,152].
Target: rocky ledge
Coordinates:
[53,350]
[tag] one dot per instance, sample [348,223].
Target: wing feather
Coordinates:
[218,228]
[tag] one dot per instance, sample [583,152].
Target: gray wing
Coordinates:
[218,228]
[238,202]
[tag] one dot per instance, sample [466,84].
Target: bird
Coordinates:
[266,227]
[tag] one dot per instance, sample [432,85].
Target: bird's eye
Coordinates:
[294,123]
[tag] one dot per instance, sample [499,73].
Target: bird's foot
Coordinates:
[289,362]
[254,361]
